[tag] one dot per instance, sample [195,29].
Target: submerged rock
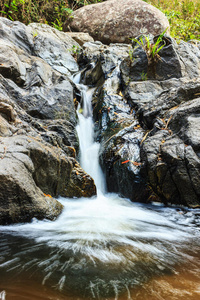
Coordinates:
[120,21]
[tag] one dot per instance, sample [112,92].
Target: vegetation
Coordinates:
[183,15]
[151,48]
[52,12]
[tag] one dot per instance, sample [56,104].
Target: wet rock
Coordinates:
[122,20]
[148,129]
[170,153]
[61,133]
[80,183]
[119,132]
[169,165]
[33,172]
[108,57]
[147,120]
[120,160]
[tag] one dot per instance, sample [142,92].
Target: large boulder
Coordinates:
[31,174]
[116,21]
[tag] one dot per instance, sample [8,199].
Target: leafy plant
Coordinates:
[130,52]
[58,25]
[144,76]
[75,49]
[151,49]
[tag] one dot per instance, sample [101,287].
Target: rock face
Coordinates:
[147,123]
[116,126]
[168,109]
[38,140]
[116,21]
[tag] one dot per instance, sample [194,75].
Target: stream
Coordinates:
[105,247]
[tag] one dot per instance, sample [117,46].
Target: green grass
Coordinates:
[52,12]
[183,15]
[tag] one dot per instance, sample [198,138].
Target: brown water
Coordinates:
[103,248]
[183,285]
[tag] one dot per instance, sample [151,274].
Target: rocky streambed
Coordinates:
[147,123]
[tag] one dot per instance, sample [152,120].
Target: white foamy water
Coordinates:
[101,246]
[89,150]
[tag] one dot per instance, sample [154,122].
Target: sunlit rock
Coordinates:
[119,21]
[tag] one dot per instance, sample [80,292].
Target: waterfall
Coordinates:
[89,150]
[100,247]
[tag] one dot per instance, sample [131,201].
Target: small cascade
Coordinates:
[89,150]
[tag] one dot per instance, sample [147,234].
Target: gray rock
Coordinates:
[54,47]
[152,99]
[170,154]
[169,169]
[80,37]
[21,199]
[32,172]
[171,61]
[120,20]
[17,34]
[117,129]
[120,160]
[36,88]
[148,129]
[38,141]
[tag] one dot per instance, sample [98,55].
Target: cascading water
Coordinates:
[101,247]
[88,148]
